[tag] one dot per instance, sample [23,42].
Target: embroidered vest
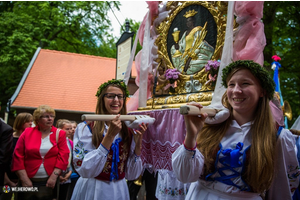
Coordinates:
[115,166]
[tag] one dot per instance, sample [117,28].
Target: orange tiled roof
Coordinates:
[65,81]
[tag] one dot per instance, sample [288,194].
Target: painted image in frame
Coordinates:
[191,39]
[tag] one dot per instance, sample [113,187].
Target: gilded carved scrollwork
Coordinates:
[209,20]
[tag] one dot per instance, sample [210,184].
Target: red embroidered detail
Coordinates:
[79,163]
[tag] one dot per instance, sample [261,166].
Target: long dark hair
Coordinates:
[98,126]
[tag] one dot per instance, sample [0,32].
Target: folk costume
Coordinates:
[226,182]
[227,179]
[103,171]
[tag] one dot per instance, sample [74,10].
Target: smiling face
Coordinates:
[243,94]
[113,106]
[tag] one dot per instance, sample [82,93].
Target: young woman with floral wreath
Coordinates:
[105,153]
[244,157]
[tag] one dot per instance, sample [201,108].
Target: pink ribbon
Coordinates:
[211,78]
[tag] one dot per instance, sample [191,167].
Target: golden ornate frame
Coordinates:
[218,10]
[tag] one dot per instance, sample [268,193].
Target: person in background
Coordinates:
[22,121]
[40,155]
[297,191]
[240,157]
[64,178]
[278,116]
[74,176]
[74,125]
[6,149]
[107,152]
[65,125]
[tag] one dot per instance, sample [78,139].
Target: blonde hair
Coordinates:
[21,119]
[98,127]
[74,122]
[61,123]
[260,165]
[40,111]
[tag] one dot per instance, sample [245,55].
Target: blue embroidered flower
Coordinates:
[80,144]
[76,151]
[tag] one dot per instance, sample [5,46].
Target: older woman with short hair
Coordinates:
[40,155]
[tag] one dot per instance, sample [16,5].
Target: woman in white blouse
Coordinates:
[105,153]
[40,155]
[246,156]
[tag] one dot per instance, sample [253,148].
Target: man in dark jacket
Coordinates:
[6,148]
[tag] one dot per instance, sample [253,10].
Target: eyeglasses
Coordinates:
[48,116]
[113,96]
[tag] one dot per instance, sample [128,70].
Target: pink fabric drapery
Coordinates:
[157,15]
[162,138]
[153,9]
[250,39]
[133,103]
[277,113]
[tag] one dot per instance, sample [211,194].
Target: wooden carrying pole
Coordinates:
[94,117]
[193,110]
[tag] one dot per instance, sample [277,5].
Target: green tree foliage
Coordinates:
[282,20]
[71,26]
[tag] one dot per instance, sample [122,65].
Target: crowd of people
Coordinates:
[38,156]
[249,155]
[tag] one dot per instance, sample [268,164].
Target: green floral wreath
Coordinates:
[112,82]
[258,71]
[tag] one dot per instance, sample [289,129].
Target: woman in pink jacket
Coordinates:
[40,155]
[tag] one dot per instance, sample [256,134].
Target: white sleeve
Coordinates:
[134,164]
[88,161]
[187,165]
[286,179]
